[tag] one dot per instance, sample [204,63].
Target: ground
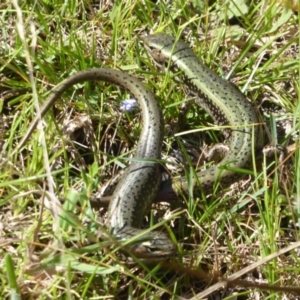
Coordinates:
[238,242]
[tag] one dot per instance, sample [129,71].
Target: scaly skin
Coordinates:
[224,102]
[141,180]
[139,184]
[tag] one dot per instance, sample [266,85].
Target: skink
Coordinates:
[224,102]
[139,184]
[141,180]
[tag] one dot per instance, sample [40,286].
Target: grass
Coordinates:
[43,255]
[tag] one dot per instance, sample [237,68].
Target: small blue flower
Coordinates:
[129,105]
